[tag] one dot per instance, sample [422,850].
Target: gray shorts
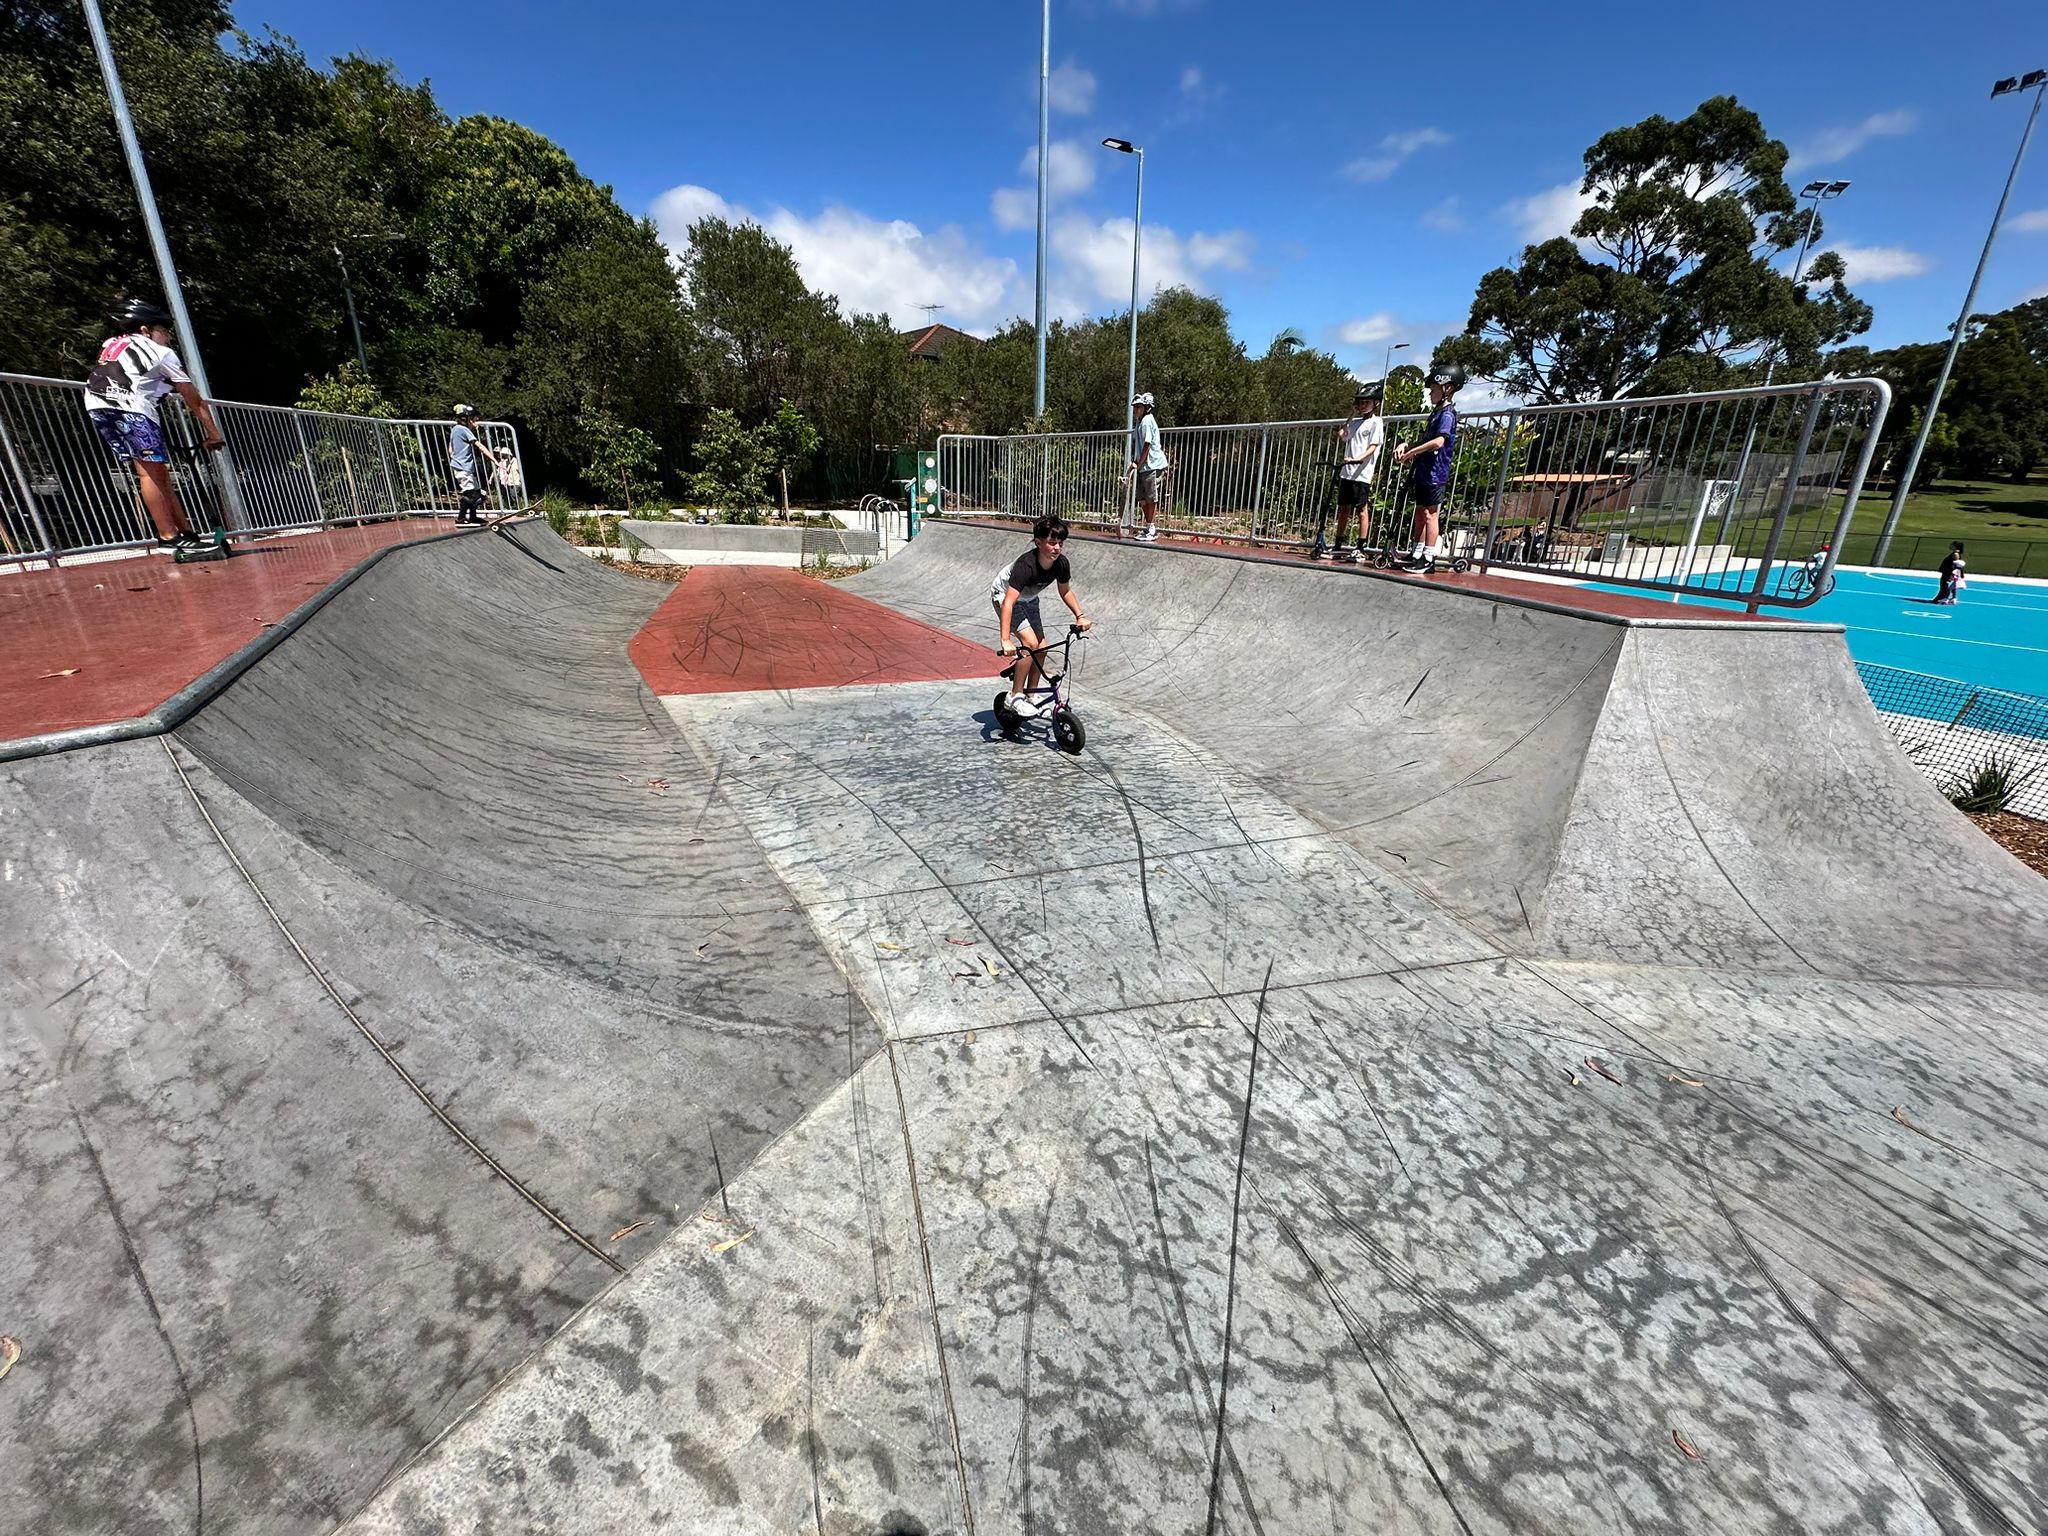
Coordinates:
[1148,485]
[1024,612]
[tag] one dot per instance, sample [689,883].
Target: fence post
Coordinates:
[1259,479]
[377,430]
[28,495]
[1500,488]
[312,480]
[1763,570]
[419,439]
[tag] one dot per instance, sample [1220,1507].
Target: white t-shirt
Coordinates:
[133,374]
[1146,452]
[1364,436]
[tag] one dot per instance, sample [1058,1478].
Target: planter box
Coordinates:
[748,543]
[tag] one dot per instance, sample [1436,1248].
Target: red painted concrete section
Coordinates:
[738,628]
[109,640]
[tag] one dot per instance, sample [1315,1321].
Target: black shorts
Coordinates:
[1426,497]
[1354,493]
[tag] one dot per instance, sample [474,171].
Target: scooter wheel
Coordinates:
[1382,560]
[1461,564]
[1068,732]
[1005,721]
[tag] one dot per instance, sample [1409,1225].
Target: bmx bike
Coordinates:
[1067,731]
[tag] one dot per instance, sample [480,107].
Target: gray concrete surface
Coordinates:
[252,1268]
[1709,1196]
[686,543]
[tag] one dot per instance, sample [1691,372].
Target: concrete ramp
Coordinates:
[1686,790]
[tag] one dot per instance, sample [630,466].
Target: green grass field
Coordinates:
[2004,526]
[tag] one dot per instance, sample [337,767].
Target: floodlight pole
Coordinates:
[1044,173]
[1387,367]
[348,293]
[1126,147]
[167,270]
[2039,81]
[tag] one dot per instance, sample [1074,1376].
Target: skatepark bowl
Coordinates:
[538,1051]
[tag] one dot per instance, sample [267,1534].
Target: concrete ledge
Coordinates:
[748,543]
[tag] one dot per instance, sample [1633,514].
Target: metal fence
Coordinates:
[1960,732]
[62,492]
[1742,494]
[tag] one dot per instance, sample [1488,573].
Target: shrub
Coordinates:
[1990,786]
[554,506]
[733,467]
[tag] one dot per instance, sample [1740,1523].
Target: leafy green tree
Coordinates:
[621,458]
[787,443]
[733,464]
[762,336]
[1668,280]
[1301,384]
[345,392]
[1405,395]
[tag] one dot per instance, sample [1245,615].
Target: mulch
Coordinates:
[2021,836]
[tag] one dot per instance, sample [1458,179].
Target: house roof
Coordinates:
[937,340]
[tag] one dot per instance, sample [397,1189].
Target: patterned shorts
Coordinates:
[131,435]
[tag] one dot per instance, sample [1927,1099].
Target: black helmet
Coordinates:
[1447,373]
[464,412]
[134,314]
[1374,389]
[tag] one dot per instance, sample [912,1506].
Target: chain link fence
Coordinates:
[62,492]
[1958,733]
[1744,494]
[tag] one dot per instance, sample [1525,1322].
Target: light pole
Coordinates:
[160,246]
[1387,367]
[348,293]
[2037,82]
[1044,172]
[1126,147]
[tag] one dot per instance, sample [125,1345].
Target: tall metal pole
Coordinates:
[348,293]
[1131,380]
[167,270]
[1044,172]
[1955,341]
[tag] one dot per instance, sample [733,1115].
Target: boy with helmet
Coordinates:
[1431,459]
[1359,442]
[123,396]
[462,464]
[1148,463]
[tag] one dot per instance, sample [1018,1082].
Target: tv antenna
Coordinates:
[929,311]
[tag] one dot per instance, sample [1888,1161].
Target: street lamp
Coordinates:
[1387,367]
[2037,82]
[348,293]
[1044,174]
[1126,147]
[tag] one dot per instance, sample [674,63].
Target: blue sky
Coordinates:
[1349,172]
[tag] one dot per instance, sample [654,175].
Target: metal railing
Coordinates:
[1956,730]
[62,492]
[1735,494]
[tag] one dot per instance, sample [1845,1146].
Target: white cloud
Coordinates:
[1549,214]
[1370,331]
[1880,263]
[1393,150]
[2034,223]
[1073,88]
[1191,79]
[1071,166]
[1841,142]
[1444,217]
[886,266]
[1092,260]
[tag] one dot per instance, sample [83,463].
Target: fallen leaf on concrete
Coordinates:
[989,966]
[10,1351]
[1679,1441]
[623,779]
[1688,1081]
[732,1242]
[1568,1072]
[626,1231]
[963,943]
[1899,1114]
[885,944]
[1602,1070]
[970,1037]
[67,672]
[657,784]
[967,975]
[702,947]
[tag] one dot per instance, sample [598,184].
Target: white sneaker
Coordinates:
[1150,535]
[1023,708]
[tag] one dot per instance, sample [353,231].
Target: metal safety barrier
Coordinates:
[1742,494]
[62,491]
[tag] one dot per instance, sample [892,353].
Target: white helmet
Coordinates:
[1144,399]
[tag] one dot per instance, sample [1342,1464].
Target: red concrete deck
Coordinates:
[108,640]
[736,628]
